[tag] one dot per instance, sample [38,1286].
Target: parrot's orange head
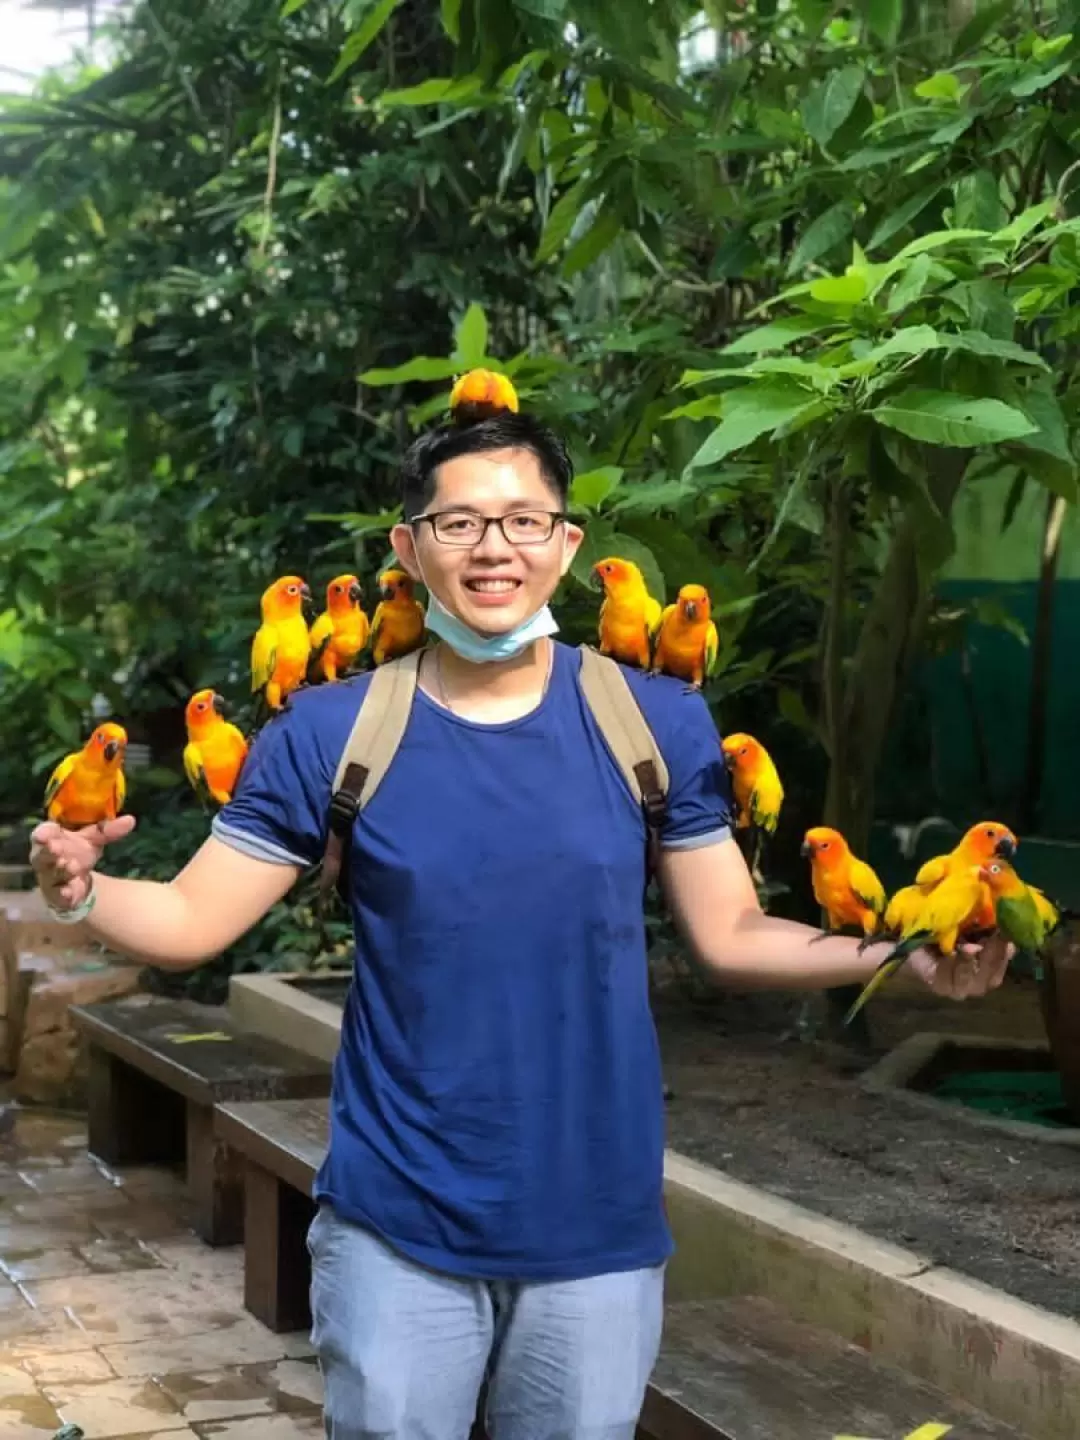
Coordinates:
[987,839]
[481,394]
[395,585]
[343,592]
[107,744]
[1001,878]
[615,574]
[694,603]
[824,847]
[741,751]
[204,708]
[285,599]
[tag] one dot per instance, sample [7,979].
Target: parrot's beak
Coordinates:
[691,610]
[217,704]
[112,749]
[386,591]
[806,850]
[729,760]
[1006,848]
[307,603]
[596,580]
[355,594]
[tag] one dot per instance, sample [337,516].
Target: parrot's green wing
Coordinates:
[376,624]
[712,648]
[1019,919]
[57,778]
[263,657]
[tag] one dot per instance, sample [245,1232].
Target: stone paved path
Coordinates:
[114,1316]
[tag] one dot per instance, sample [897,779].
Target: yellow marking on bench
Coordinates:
[208,1035]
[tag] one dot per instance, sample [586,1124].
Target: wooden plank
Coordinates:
[131,1120]
[286,1138]
[277,1266]
[179,1044]
[215,1176]
[740,1369]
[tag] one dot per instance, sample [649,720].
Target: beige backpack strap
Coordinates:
[629,738]
[369,752]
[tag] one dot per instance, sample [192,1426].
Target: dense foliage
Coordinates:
[789,275]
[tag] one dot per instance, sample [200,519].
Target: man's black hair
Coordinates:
[507,431]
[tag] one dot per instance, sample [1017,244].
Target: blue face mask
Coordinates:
[482,649]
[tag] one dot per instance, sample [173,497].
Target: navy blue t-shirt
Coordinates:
[497,1105]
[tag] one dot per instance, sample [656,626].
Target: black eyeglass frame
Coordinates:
[555,516]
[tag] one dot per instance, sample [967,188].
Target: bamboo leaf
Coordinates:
[359,41]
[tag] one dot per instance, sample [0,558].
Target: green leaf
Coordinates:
[1021,226]
[939,240]
[600,235]
[293,443]
[1031,84]
[470,339]
[977,342]
[423,367]
[1046,49]
[777,335]
[959,421]
[450,14]
[826,108]
[359,41]
[544,9]
[822,235]
[709,407]
[943,85]
[592,488]
[884,18]
[844,290]
[912,283]
[441,90]
[561,221]
[985,19]
[291,6]
[602,538]
[978,201]
[892,223]
[749,413]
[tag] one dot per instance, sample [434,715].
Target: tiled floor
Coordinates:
[114,1317]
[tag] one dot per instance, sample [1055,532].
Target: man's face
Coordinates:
[491,584]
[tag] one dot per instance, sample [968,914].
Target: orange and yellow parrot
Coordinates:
[687,642]
[341,631]
[846,888]
[282,644]
[629,616]
[758,793]
[397,626]
[88,785]
[480,395]
[942,919]
[216,750]
[984,841]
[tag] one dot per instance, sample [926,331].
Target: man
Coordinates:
[491,1203]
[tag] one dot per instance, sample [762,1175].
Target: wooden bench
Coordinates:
[157,1068]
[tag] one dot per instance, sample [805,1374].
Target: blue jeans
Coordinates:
[404,1350]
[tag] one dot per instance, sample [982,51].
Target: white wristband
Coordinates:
[80,911]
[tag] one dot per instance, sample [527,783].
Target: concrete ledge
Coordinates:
[271,1006]
[1013,1360]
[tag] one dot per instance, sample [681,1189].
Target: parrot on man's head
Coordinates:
[88,785]
[341,631]
[687,642]
[480,395]
[397,627]
[282,644]
[216,750]
[629,616]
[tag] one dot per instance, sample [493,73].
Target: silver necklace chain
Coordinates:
[441,682]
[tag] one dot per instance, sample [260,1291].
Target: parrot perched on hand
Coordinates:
[216,751]
[759,795]
[1024,915]
[687,642]
[397,626]
[341,631]
[480,395]
[846,888]
[282,644]
[88,785]
[629,616]
[981,843]
[941,920]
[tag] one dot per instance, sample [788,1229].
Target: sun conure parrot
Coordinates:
[629,616]
[979,845]
[341,631]
[846,888]
[906,904]
[758,793]
[480,395]
[282,644]
[216,750]
[687,642]
[88,785]
[397,626]
[940,920]
[1023,914]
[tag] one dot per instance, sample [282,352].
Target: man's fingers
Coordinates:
[106,832]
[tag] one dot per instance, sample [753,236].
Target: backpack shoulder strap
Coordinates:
[368,754]
[631,741]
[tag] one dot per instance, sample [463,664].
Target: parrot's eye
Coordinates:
[825,844]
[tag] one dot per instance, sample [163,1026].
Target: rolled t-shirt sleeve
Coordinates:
[279,810]
[699,808]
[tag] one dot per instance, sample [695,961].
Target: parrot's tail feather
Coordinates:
[885,970]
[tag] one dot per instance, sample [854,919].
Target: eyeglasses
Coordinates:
[462,527]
